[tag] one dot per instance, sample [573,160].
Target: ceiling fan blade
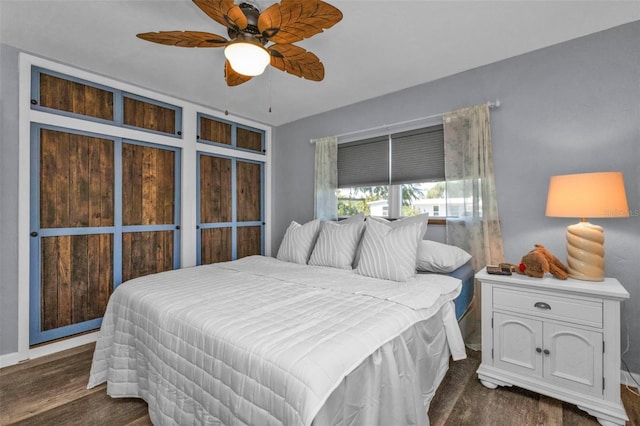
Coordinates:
[294,20]
[185,38]
[224,12]
[232,77]
[297,61]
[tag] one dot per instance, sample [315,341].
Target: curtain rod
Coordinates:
[494,104]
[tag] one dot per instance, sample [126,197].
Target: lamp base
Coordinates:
[585,251]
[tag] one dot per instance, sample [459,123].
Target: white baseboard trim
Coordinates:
[62,345]
[626,378]
[14,358]
[10,359]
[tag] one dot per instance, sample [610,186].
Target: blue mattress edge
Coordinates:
[467,276]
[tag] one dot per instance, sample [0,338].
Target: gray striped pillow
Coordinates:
[422,219]
[298,242]
[337,244]
[389,252]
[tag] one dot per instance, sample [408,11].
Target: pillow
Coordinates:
[355,218]
[389,252]
[422,219]
[337,244]
[298,242]
[437,257]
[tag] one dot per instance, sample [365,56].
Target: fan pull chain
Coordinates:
[226,98]
[269,90]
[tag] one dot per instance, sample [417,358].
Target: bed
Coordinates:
[262,341]
[467,277]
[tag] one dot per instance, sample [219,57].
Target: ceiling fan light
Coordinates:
[248,59]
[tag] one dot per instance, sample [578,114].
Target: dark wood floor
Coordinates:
[52,391]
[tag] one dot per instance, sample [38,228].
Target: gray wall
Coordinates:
[8,199]
[569,108]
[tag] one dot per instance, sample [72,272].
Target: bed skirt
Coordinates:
[394,385]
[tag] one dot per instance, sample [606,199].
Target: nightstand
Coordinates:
[558,338]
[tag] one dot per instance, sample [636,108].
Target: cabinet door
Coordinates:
[575,358]
[231,208]
[72,232]
[215,219]
[249,208]
[150,213]
[103,212]
[515,341]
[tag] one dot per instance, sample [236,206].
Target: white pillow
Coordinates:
[422,219]
[337,244]
[298,242]
[389,252]
[437,257]
[358,217]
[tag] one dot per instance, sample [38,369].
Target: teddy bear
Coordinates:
[539,261]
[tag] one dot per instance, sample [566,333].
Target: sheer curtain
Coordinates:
[471,191]
[326,178]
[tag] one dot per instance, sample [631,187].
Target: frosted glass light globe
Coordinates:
[248,59]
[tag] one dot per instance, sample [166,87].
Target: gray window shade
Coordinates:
[417,156]
[364,163]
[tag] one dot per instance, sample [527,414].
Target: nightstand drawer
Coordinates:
[580,311]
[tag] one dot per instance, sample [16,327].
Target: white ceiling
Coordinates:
[379,47]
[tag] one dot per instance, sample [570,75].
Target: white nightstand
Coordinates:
[558,338]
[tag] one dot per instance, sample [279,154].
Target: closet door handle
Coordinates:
[542,305]
[538,350]
[546,352]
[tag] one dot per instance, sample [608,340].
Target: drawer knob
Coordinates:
[542,305]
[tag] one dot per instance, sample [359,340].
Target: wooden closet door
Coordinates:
[249,208]
[149,238]
[230,208]
[104,211]
[72,230]
[216,209]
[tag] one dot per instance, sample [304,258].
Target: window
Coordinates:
[396,175]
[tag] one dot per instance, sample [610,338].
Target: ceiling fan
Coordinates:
[249,30]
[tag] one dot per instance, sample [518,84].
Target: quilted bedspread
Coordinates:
[255,341]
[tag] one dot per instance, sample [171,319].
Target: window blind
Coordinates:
[416,156]
[364,162]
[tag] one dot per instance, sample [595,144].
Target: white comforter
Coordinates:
[254,341]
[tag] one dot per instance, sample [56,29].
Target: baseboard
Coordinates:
[14,358]
[10,359]
[626,378]
[62,345]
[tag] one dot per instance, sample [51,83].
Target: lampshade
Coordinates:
[585,195]
[247,58]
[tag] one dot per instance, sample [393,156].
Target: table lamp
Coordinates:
[593,195]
